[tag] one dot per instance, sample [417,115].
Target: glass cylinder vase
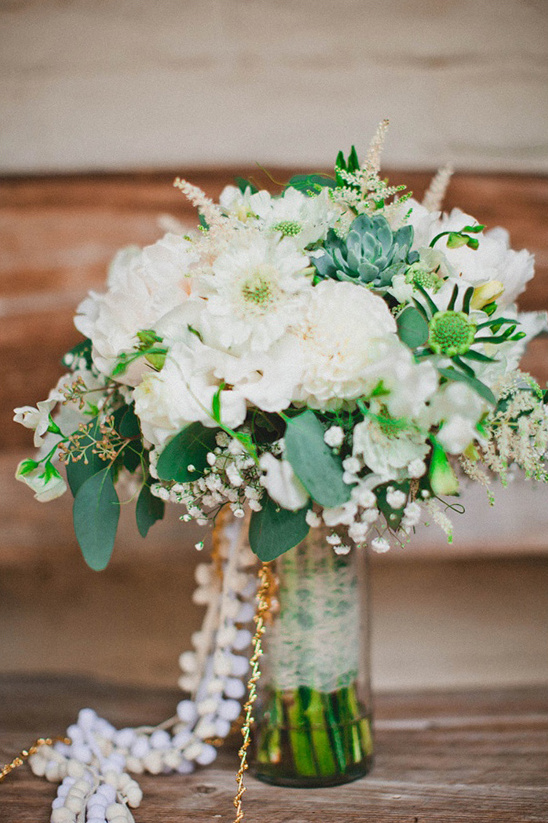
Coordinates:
[314,711]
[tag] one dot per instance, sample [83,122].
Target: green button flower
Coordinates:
[451,333]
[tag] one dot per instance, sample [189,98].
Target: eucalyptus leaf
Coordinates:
[148,510]
[96,512]
[273,530]
[129,423]
[319,470]
[412,327]
[483,390]
[188,448]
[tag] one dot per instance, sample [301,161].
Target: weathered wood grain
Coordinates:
[464,757]
[132,84]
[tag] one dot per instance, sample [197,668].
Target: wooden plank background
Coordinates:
[134,84]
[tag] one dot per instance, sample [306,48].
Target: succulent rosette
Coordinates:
[336,353]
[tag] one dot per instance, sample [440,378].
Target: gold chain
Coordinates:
[263,605]
[26,753]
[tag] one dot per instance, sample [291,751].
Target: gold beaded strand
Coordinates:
[263,606]
[26,753]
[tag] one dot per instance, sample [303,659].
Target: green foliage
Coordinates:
[393,516]
[460,376]
[81,350]
[90,464]
[412,327]
[310,184]
[96,512]
[319,470]
[148,510]
[129,422]
[188,448]
[244,184]
[371,253]
[273,530]
[350,165]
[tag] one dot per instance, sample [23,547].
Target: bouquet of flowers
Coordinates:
[336,355]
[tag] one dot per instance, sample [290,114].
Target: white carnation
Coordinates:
[345,330]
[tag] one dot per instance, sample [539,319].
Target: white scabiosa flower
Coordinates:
[345,330]
[303,219]
[282,484]
[254,291]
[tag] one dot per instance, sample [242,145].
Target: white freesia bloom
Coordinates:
[345,330]
[47,484]
[254,291]
[458,409]
[37,418]
[282,484]
[143,286]
[492,260]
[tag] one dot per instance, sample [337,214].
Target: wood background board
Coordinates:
[463,757]
[96,85]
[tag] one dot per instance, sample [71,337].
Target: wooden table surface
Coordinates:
[454,756]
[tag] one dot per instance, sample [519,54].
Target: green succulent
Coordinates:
[370,254]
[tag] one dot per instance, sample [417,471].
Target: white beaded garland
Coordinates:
[92,772]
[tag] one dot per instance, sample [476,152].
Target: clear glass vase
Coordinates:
[314,711]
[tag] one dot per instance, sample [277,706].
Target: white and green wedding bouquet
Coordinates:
[337,355]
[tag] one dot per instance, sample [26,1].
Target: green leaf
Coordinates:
[309,183]
[148,510]
[483,390]
[319,470]
[188,448]
[78,472]
[80,350]
[129,423]
[273,530]
[412,327]
[96,512]
[244,184]
[132,455]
